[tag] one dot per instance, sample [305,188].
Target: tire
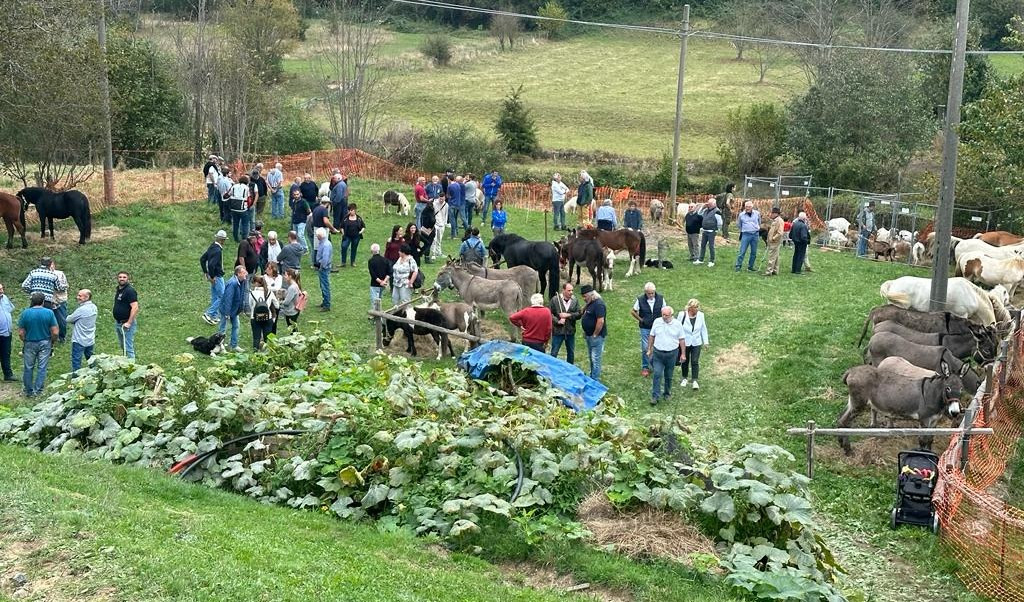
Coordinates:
[892,519]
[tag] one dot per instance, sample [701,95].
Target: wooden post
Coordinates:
[313,173]
[174,198]
[810,449]
[965,438]
[378,325]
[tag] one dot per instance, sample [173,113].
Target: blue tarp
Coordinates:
[581,391]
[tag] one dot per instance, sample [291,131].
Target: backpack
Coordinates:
[300,302]
[261,309]
[474,253]
[417,282]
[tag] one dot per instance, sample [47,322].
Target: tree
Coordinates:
[991,160]
[935,68]
[460,148]
[553,10]
[266,29]
[886,23]
[506,28]
[515,126]
[755,137]
[995,16]
[861,121]
[194,65]
[814,22]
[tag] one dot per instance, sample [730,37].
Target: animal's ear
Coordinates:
[965,369]
[945,368]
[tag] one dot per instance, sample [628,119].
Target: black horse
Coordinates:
[539,255]
[59,205]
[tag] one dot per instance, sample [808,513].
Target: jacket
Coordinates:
[380,269]
[309,191]
[648,315]
[697,333]
[289,256]
[212,261]
[775,231]
[585,193]
[558,190]
[633,219]
[535,322]
[799,233]
[556,306]
[231,300]
[491,185]
[455,192]
[433,190]
[710,219]
[693,222]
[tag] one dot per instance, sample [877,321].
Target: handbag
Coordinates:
[300,301]
[417,282]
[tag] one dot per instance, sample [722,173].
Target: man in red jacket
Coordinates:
[535,322]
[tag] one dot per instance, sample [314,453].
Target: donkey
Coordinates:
[523,275]
[482,293]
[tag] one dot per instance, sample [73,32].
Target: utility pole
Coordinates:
[108,152]
[679,110]
[947,194]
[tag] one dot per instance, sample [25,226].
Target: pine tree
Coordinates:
[516,127]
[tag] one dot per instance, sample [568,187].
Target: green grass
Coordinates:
[1007,65]
[778,349]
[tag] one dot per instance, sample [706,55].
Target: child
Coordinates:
[632,218]
[498,218]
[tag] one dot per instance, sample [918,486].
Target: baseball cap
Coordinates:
[220,235]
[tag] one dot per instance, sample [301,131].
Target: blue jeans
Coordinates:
[126,338]
[300,229]
[375,294]
[36,356]
[77,352]
[748,240]
[216,292]
[862,242]
[645,336]
[570,346]
[234,328]
[558,214]
[486,211]
[467,214]
[325,285]
[664,364]
[595,349]
[453,221]
[277,204]
[346,244]
[419,214]
[240,223]
[60,311]
[211,193]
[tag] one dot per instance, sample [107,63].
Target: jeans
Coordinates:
[486,211]
[5,356]
[535,346]
[692,362]
[260,330]
[60,311]
[707,241]
[239,224]
[604,224]
[216,292]
[77,352]
[693,242]
[748,240]
[419,214]
[346,244]
[126,338]
[375,294]
[862,242]
[36,356]
[595,349]
[570,346]
[211,193]
[338,213]
[558,214]
[400,294]
[467,214]
[664,364]
[454,215]
[277,205]
[645,337]
[325,285]
[799,254]
[223,327]
[300,229]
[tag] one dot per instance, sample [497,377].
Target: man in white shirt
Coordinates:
[667,343]
[558,190]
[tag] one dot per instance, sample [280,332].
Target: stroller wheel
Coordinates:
[892,519]
[935,524]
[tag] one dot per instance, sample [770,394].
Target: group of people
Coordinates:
[450,200]
[43,325]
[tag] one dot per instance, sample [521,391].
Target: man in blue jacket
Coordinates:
[491,186]
[212,264]
[456,205]
[231,304]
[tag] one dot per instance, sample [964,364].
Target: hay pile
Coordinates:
[642,533]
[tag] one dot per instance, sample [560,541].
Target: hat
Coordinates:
[212,157]
[586,289]
[220,235]
[325,200]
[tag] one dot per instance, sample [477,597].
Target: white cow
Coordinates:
[963,298]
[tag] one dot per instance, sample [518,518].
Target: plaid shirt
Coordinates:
[45,281]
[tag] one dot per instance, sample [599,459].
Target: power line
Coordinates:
[695,33]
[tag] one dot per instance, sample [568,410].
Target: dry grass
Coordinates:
[538,577]
[735,361]
[49,576]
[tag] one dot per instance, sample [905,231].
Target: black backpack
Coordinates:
[261,311]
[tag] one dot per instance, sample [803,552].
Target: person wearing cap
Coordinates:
[775,232]
[44,280]
[646,309]
[37,329]
[866,224]
[606,218]
[595,329]
[275,183]
[321,219]
[667,345]
[750,228]
[83,324]
[247,253]
[535,322]
[211,172]
[212,265]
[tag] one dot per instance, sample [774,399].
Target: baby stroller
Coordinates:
[918,474]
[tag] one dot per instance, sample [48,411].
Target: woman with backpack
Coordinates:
[294,299]
[262,311]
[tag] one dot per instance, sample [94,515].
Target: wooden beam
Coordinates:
[885,432]
[452,333]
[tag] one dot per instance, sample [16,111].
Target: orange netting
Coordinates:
[985,533]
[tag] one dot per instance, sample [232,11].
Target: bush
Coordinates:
[553,10]
[516,127]
[461,148]
[437,48]
[755,137]
[291,131]
[400,144]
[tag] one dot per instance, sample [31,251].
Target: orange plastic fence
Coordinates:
[985,533]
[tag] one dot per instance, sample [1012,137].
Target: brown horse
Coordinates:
[13,213]
[617,240]
[999,238]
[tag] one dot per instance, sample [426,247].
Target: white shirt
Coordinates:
[558,190]
[697,332]
[650,301]
[667,335]
[273,250]
[212,174]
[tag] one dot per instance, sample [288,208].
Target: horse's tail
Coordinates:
[643,248]
[86,218]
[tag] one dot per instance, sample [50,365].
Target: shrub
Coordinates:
[553,10]
[437,48]
[515,126]
[290,131]
[400,144]
[461,148]
[755,138]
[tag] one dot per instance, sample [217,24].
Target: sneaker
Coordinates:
[645,372]
[209,320]
[697,262]
[238,350]
[736,269]
[325,309]
[695,385]
[684,383]
[751,270]
[654,401]
[711,264]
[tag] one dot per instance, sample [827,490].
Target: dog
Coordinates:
[395,199]
[664,264]
[211,345]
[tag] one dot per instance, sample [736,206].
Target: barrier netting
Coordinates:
[985,533]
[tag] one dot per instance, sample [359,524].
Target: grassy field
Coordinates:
[778,349]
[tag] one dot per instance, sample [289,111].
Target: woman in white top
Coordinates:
[263,307]
[695,331]
[403,274]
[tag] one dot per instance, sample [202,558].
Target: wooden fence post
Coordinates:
[378,325]
[810,449]
[173,196]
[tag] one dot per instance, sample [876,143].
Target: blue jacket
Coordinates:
[498,218]
[433,190]
[339,194]
[231,300]
[455,194]
[491,185]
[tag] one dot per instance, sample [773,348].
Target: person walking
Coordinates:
[595,329]
[646,309]
[275,182]
[60,303]
[565,311]
[724,203]
[212,264]
[352,229]
[668,345]
[419,191]
[37,329]
[126,311]
[774,242]
[6,334]
[695,330]
[535,323]
[232,303]
[558,191]
[711,219]
[403,276]
[584,195]
[238,205]
[800,234]
[456,207]
[380,274]
[605,216]
[492,188]
[83,324]
[263,308]
[866,225]
[692,223]
[750,229]
[294,299]
[322,265]
[498,218]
